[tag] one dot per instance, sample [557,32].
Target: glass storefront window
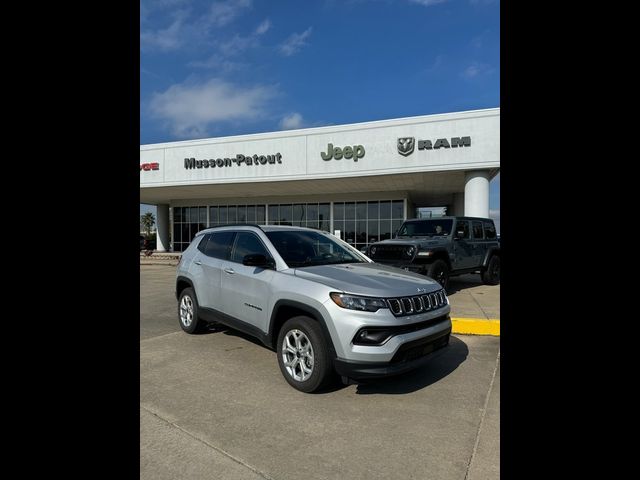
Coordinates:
[397,209]
[274,215]
[360,223]
[385,209]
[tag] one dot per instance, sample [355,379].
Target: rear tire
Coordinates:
[439,271]
[303,356]
[188,312]
[491,275]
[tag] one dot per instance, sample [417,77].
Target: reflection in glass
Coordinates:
[299,213]
[324,212]
[397,209]
[251,214]
[385,209]
[338,211]
[372,210]
[372,231]
[274,215]
[213,216]
[242,214]
[232,215]
[286,214]
[385,229]
[349,211]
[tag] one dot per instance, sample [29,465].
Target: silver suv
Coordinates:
[322,305]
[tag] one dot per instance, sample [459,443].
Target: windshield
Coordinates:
[305,249]
[426,228]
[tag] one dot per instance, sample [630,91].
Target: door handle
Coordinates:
[230,270]
[198,262]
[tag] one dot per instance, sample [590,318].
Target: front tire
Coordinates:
[188,312]
[439,271]
[491,275]
[303,356]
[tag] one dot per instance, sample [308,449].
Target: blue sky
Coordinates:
[230,67]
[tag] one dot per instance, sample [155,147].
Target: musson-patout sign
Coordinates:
[238,160]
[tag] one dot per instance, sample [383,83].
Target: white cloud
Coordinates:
[191,108]
[223,13]
[187,29]
[170,38]
[476,69]
[239,43]
[427,3]
[263,27]
[291,121]
[295,42]
[218,62]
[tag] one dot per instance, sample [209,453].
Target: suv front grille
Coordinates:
[389,252]
[417,304]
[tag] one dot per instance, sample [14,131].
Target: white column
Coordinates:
[458,204]
[162,224]
[476,194]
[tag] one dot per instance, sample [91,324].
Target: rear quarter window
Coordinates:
[489,230]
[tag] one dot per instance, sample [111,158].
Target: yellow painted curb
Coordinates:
[476,326]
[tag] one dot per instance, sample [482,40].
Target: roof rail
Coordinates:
[237,225]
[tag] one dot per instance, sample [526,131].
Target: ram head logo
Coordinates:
[406,145]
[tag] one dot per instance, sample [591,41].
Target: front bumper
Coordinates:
[409,356]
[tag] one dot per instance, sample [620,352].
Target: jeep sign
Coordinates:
[355,152]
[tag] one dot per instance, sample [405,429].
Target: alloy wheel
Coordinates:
[297,355]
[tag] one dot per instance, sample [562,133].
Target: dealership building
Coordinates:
[357,181]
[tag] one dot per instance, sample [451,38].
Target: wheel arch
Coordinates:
[283,310]
[182,283]
[490,253]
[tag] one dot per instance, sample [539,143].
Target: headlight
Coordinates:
[373,250]
[424,254]
[409,251]
[352,302]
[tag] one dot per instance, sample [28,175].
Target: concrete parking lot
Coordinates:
[216,406]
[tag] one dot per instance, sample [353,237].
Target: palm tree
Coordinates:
[148,220]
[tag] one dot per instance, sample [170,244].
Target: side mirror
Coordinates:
[257,260]
[395,233]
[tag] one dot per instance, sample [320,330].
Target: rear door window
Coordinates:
[477,231]
[219,245]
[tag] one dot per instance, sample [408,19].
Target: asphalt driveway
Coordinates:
[216,406]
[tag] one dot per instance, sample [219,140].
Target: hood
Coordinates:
[370,279]
[423,242]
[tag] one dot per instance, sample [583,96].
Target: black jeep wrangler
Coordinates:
[444,246]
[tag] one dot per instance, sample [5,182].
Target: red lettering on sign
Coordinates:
[149,166]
